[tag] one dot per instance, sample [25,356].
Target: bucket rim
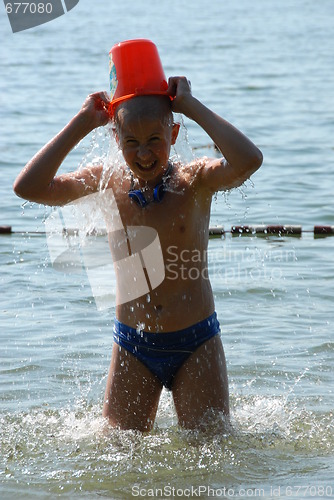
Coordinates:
[115,102]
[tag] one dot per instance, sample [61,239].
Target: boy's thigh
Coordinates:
[201,384]
[132,392]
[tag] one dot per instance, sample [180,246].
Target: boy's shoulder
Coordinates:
[191,173]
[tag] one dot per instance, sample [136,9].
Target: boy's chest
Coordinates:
[179,221]
[176,216]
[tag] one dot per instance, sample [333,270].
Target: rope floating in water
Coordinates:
[214,232]
[272,230]
[267,230]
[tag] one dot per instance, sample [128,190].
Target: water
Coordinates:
[268,69]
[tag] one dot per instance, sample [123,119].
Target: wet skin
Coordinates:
[145,132]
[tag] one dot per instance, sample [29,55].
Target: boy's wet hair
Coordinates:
[151,105]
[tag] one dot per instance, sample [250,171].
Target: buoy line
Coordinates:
[214,231]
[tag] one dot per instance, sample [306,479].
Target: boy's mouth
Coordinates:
[147,166]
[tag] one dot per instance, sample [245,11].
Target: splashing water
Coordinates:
[183,152]
[98,148]
[74,451]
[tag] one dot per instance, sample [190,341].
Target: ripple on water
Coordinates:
[73,450]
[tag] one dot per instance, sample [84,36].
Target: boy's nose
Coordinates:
[143,152]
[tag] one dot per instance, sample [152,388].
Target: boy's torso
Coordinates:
[181,221]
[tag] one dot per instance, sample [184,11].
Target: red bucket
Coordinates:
[135,69]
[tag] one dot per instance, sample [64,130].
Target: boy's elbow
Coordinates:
[257,160]
[260,158]
[254,163]
[17,188]
[249,168]
[22,190]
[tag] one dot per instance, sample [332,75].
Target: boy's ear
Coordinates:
[175,132]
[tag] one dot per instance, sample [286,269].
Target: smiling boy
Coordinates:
[169,337]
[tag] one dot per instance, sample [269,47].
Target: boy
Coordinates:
[169,337]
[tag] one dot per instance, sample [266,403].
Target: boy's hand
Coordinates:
[95,109]
[179,88]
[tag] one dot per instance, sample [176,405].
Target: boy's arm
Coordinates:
[242,157]
[38,182]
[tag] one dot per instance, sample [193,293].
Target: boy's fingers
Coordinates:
[172,86]
[105,97]
[100,95]
[176,83]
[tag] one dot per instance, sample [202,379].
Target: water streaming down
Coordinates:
[273,294]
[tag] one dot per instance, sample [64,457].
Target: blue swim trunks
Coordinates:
[164,353]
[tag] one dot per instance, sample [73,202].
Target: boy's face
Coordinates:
[145,133]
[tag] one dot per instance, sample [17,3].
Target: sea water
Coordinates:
[267,67]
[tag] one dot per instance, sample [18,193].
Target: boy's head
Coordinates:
[145,132]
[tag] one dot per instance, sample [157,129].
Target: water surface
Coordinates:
[267,67]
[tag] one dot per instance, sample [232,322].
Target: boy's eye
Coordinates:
[155,139]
